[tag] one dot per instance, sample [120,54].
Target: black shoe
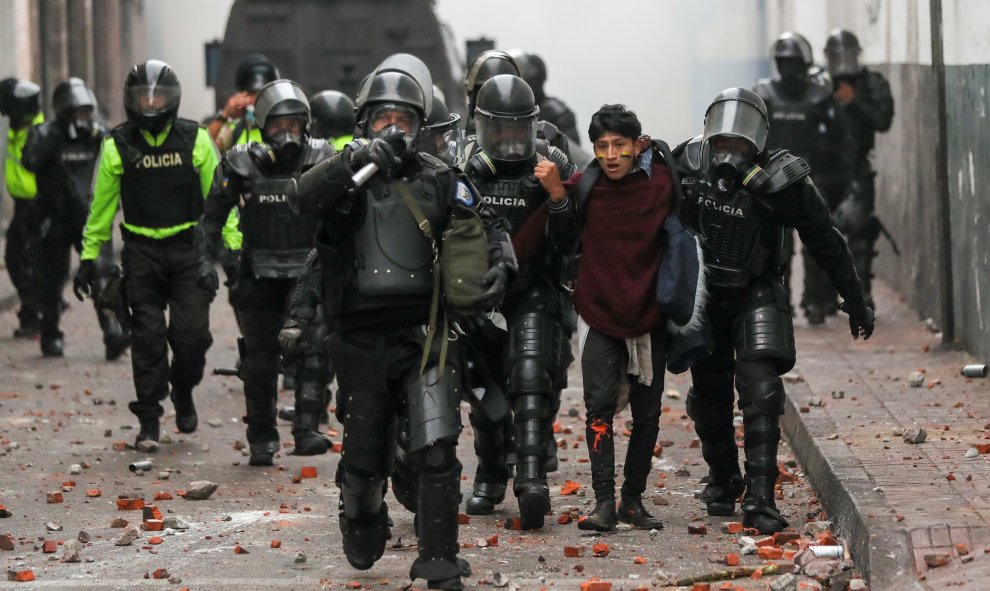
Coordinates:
[452,584]
[484,497]
[720,497]
[53,347]
[149,435]
[186,419]
[603,518]
[763,515]
[364,542]
[287,413]
[534,504]
[310,443]
[632,511]
[116,345]
[27,331]
[263,453]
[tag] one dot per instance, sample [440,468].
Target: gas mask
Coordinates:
[727,166]
[792,70]
[286,143]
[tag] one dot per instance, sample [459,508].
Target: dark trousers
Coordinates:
[261,305]
[604,365]
[56,249]
[160,275]
[21,258]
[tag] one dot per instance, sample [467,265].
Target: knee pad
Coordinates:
[763,398]
[436,458]
[433,406]
[766,331]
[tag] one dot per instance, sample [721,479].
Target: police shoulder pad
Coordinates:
[688,156]
[784,169]
[546,130]
[317,150]
[433,163]
[553,107]
[237,160]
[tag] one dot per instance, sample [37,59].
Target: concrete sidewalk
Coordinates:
[917,515]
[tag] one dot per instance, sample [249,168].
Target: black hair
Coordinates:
[616,119]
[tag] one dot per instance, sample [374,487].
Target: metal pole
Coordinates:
[942,177]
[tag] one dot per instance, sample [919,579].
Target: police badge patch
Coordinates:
[464,195]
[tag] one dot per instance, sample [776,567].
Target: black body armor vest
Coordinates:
[276,240]
[794,115]
[391,255]
[160,187]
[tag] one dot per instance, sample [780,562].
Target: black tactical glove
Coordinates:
[207,278]
[262,155]
[496,280]
[862,320]
[84,283]
[380,152]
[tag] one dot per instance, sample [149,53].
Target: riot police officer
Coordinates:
[276,245]
[394,364]
[863,107]
[525,360]
[492,63]
[333,117]
[62,153]
[19,101]
[797,106]
[441,135]
[237,122]
[739,198]
[158,168]
[533,70]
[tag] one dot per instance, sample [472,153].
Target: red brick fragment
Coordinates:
[732,527]
[827,539]
[353,585]
[160,573]
[155,540]
[600,549]
[119,446]
[239,550]
[336,448]
[163,496]
[126,504]
[657,451]
[463,519]
[154,525]
[20,576]
[564,518]
[983,448]
[639,560]
[276,543]
[49,546]
[962,549]
[731,560]
[783,537]
[569,487]
[93,493]
[698,529]
[594,585]
[54,497]
[695,443]
[769,553]
[937,560]
[6,542]
[573,551]
[307,472]
[492,540]
[701,587]
[152,512]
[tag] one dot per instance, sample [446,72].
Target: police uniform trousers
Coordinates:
[753,338]
[56,246]
[162,275]
[21,257]
[382,391]
[604,368]
[262,305]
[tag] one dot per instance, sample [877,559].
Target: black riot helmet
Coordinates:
[151,95]
[397,96]
[842,53]
[282,111]
[532,69]
[441,135]
[488,63]
[506,118]
[6,94]
[332,115]
[254,71]
[70,95]
[790,58]
[23,102]
[736,127]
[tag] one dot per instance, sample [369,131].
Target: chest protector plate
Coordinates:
[738,241]
[392,257]
[505,194]
[276,240]
[160,187]
[792,125]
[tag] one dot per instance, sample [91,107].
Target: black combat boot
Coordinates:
[53,346]
[490,443]
[363,518]
[530,484]
[311,404]
[603,518]
[710,407]
[632,511]
[149,435]
[758,507]
[115,339]
[439,496]
[186,419]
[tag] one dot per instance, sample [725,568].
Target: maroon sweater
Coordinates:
[621,248]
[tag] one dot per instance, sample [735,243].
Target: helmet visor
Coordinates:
[73,97]
[151,101]
[843,62]
[507,139]
[445,141]
[735,118]
[386,116]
